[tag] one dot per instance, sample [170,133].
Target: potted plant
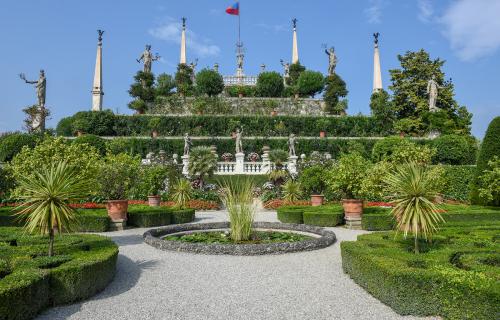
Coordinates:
[227,157]
[253,157]
[346,177]
[312,180]
[154,180]
[322,126]
[154,126]
[116,176]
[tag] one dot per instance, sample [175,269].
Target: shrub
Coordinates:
[296,70]
[384,148]
[202,163]
[324,216]
[490,182]
[292,191]
[335,88]
[209,82]
[278,157]
[117,176]
[312,180]
[455,150]
[377,219]
[270,84]
[183,216]
[92,140]
[93,122]
[382,109]
[145,216]
[346,176]
[310,83]
[457,182]
[184,79]
[12,144]
[92,220]
[154,180]
[291,214]
[182,193]
[398,150]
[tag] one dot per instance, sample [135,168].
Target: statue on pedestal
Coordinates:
[193,66]
[187,144]
[286,68]
[40,86]
[433,90]
[37,114]
[291,145]
[239,143]
[148,59]
[375,36]
[332,60]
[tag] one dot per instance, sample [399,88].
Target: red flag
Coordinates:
[234,9]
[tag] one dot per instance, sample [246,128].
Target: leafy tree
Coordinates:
[347,175]
[334,90]
[383,110]
[295,70]
[202,163]
[310,83]
[184,79]
[490,183]
[209,82]
[143,91]
[165,85]
[270,84]
[117,176]
[409,85]
[47,195]
[312,180]
[12,144]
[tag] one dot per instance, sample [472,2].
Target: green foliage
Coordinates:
[412,191]
[312,180]
[296,70]
[184,79]
[92,220]
[182,193]
[455,150]
[347,175]
[278,157]
[335,88]
[457,182]
[153,179]
[292,191]
[209,82]
[270,84]
[377,219]
[490,182]
[210,105]
[291,214]
[6,184]
[202,163]
[100,123]
[92,140]
[324,218]
[165,85]
[145,216]
[12,144]
[117,176]
[409,87]
[373,187]
[143,91]
[246,91]
[411,152]
[383,109]
[85,265]
[183,216]
[310,83]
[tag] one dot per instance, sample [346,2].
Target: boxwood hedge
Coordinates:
[145,216]
[83,266]
[322,216]
[291,214]
[183,216]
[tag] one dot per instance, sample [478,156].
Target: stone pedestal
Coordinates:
[185,165]
[266,163]
[292,164]
[118,225]
[239,167]
[353,223]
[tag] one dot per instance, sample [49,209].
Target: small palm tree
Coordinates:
[413,189]
[292,191]
[47,197]
[202,163]
[181,193]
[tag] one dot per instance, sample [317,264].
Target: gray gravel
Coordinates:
[154,284]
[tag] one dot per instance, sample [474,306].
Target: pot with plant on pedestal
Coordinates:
[117,175]
[322,126]
[312,180]
[154,180]
[346,178]
[154,126]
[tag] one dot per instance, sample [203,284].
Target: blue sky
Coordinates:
[60,37]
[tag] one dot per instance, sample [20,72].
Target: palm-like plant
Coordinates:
[237,196]
[47,196]
[413,188]
[181,193]
[292,191]
[202,163]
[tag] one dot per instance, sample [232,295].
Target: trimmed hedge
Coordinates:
[183,216]
[456,278]
[105,123]
[327,218]
[322,216]
[377,219]
[145,216]
[11,144]
[291,214]
[82,267]
[93,220]
[458,180]
[455,150]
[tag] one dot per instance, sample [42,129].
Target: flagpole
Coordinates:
[239,23]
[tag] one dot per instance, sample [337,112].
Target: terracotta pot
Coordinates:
[79,133]
[297,96]
[117,210]
[154,134]
[274,113]
[154,201]
[322,134]
[353,208]
[240,95]
[317,200]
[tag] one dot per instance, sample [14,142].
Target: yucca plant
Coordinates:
[181,193]
[237,196]
[202,163]
[46,198]
[412,188]
[292,191]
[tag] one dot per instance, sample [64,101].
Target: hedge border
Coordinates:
[183,216]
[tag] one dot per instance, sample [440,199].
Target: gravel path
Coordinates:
[153,284]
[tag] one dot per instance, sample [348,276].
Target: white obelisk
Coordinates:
[295,48]
[97,92]
[183,42]
[377,73]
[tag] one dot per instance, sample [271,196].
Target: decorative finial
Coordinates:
[184,22]
[376,35]
[100,33]
[294,22]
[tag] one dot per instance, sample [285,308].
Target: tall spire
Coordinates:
[295,49]
[97,93]
[377,74]
[183,42]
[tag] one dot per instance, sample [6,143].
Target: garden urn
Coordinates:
[322,134]
[154,201]
[154,134]
[117,210]
[317,200]
[353,209]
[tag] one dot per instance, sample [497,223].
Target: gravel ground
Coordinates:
[154,284]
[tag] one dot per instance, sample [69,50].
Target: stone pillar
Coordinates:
[295,48]
[266,163]
[185,165]
[97,92]
[292,164]
[183,42]
[239,168]
[377,74]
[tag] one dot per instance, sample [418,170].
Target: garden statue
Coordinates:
[375,36]
[193,65]
[432,90]
[239,143]
[262,68]
[332,60]
[216,67]
[148,58]
[40,85]
[291,145]
[286,67]
[187,144]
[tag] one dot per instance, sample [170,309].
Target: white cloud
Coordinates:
[374,11]
[425,10]
[170,31]
[472,27]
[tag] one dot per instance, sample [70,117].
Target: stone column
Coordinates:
[377,74]
[185,165]
[292,164]
[295,48]
[240,163]
[266,163]
[97,92]
[183,42]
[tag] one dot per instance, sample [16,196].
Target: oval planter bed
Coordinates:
[320,238]
[30,281]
